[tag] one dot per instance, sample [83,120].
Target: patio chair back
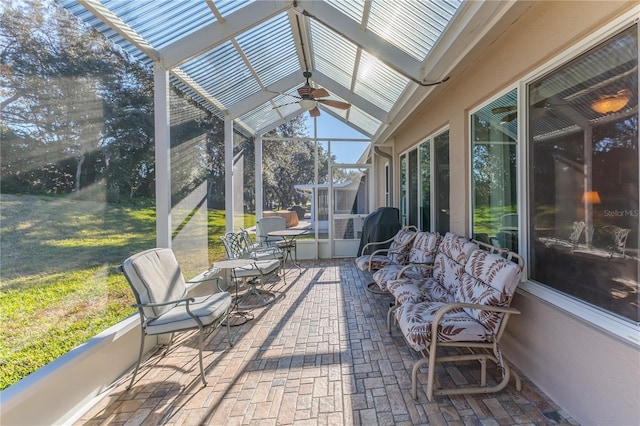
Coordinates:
[269,224]
[155,277]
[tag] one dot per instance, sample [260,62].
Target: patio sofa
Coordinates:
[464,305]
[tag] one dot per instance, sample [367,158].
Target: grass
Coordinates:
[59,286]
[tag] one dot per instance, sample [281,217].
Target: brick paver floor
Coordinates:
[319,355]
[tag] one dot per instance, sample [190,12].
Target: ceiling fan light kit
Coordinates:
[611,103]
[309,98]
[307,104]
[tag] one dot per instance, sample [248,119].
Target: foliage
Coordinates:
[59,284]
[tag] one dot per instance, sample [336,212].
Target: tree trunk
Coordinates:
[79,162]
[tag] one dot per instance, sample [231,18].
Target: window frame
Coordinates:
[598,318]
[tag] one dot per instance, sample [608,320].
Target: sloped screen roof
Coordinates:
[245,59]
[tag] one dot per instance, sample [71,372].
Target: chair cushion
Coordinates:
[155,277]
[258,268]
[489,279]
[424,247]
[390,272]
[400,246]
[207,308]
[415,321]
[372,262]
[453,254]
[409,290]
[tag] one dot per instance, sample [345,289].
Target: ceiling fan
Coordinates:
[511,111]
[309,98]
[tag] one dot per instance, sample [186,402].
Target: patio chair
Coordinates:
[470,319]
[268,224]
[397,253]
[420,261]
[164,305]
[259,272]
[258,251]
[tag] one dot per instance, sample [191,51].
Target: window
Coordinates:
[442,182]
[494,130]
[416,184]
[425,180]
[583,174]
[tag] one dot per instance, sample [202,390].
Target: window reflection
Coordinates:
[584,177]
[494,130]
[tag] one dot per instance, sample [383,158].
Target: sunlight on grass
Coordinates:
[60,286]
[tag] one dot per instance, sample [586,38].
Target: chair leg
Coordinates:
[139,359]
[228,328]
[200,338]
[390,312]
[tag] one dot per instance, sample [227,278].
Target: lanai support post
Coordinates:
[163,155]
[228,173]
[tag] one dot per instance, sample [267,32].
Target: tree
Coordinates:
[66,87]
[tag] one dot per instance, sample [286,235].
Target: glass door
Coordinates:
[350,201]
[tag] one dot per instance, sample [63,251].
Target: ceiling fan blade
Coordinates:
[305,90]
[509,117]
[314,112]
[319,93]
[500,110]
[335,104]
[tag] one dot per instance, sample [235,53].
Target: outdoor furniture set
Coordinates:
[460,299]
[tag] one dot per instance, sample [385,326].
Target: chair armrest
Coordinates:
[170,302]
[451,306]
[375,243]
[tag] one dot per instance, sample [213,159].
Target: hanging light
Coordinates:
[307,104]
[611,103]
[591,197]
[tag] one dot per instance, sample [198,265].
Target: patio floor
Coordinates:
[320,354]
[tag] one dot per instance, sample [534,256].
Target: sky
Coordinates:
[329,127]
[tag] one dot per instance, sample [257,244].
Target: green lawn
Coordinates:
[59,285]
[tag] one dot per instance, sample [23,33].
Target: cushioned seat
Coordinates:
[421,257]
[163,303]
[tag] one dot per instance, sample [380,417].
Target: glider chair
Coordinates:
[164,305]
[419,264]
[470,319]
[397,253]
[450,259]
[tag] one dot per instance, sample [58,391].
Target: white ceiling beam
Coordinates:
[370,42]
[334,87]
[119,26]
[189,82]
[248,104]
[216,33]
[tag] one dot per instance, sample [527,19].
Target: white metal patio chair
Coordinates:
[164,305]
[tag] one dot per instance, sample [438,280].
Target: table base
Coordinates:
[237,318]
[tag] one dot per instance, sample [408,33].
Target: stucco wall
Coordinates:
[589,373]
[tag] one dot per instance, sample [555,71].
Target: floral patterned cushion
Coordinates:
[408,290]
[424,247]
[390,272]
[453,254]
[489,279]
[372,262]
[397,253]
[415,321]
[400,246]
